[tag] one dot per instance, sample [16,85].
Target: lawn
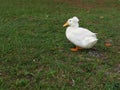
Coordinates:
[35,54]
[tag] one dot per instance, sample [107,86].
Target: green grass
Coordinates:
[35,54]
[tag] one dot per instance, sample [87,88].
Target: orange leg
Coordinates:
[76,49]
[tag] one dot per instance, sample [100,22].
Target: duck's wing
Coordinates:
[81,33]
[86,31]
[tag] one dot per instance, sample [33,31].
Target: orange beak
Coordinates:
[66,24]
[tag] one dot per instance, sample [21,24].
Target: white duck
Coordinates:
[81,37]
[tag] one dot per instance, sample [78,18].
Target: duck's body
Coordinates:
[81,37]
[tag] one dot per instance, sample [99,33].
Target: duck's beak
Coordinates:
[66,24]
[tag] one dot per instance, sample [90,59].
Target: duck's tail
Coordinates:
[90,42]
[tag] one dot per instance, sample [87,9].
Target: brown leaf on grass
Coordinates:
[71,82]
[101,17]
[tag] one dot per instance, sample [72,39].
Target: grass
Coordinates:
[35,55]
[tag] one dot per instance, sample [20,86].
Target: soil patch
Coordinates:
[90,4]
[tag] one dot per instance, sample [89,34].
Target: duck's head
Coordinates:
[73,22]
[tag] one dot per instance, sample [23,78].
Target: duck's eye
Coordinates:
[70,20]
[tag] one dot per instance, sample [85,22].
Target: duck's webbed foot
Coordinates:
[75,49]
